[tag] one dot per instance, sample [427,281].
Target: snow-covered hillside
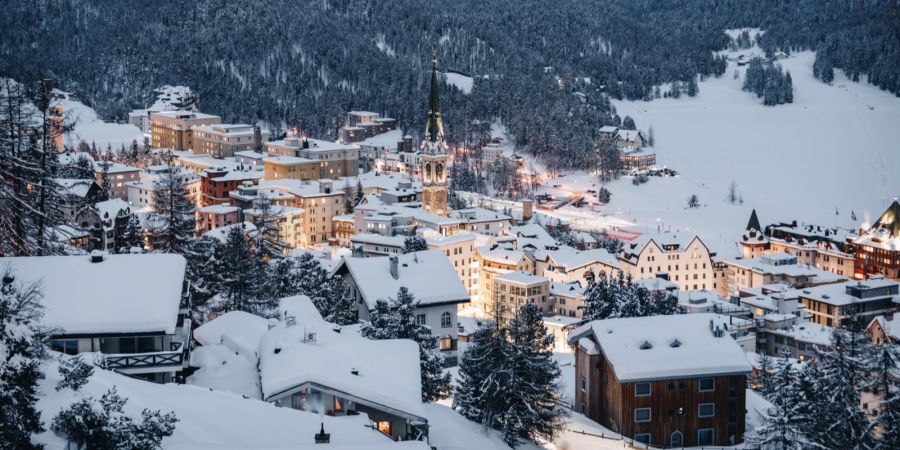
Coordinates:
[88,127]
[833,150]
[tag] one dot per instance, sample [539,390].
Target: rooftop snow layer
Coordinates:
[122,294]
[416,271]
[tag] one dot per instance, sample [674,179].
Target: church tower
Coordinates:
[434,153]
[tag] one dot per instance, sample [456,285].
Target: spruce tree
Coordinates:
[239,274]
[134,234]
[266,240]
[414,244]
[172,220]
[21,348]
[886,384]
[535,409]
[484,373]
[359,192]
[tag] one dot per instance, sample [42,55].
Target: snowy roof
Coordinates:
[181,114]
[699,352]
[221,233]
[891,327]
[75,186]
[807,332]
[285,160]
[121,294]
[223,208]
[388,371]
[571,258]
[839,294]
[500,255]
[113,167]
[572,289]
[303,188]
[520,277]
[656,284]
[236,327]
[378,239]
[479,215]
[250,154]
[428,275]
[209,419]
[628,135]
[608,129]
[560,321]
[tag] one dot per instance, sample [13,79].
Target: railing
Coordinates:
[174,357]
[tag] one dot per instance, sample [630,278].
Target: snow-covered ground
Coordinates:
[88,127]
[831,152]
[462,82]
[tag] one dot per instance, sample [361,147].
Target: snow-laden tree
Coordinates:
[397,320]
[172,220]
[133,235]
[30,198]
[534,409]
[266,239]
[886,384]
[102,424]
[21,348]
[239,274]
[483,375]
[306,276]
[844,370]
[615,297]
[75,373]
[414,244]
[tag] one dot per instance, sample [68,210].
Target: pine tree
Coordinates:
[20,369]
[239,274]
[414,244]
[762,378]
[886,383]
[75,373]
[382,323]
[359,192]
[134,234]
[535,409]
[484,373]
[788,88]
[343,309]
[266,240]
[172,220]
[348,197]
[103,425]
[843,371]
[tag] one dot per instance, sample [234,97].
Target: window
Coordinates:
[643,438]
[707,384]
[706,410]
[420,319]
[642,414]
[706,436]
[383,426]
[642,389]
[445,320]
[67,346]
[676,439]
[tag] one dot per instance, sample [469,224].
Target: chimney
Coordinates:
[322,437]
[354,371]
[394,269]
[257,139]
[96,256]
[527,210]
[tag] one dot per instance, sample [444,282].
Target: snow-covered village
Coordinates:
[469,225]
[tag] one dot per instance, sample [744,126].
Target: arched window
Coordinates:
[676,440]
[439,172]
[445,320]
[427,174]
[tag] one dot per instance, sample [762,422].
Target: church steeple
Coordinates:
[434,127]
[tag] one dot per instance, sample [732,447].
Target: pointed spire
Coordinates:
[889,220]
[753,224]
[434,127]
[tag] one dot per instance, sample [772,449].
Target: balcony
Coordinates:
[134,363]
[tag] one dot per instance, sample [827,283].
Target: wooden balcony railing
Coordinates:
[171,358]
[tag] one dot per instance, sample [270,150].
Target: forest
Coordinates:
[547,70]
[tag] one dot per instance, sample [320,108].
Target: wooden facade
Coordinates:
[674,418]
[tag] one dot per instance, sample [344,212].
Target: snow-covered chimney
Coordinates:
[394,269]
[96,256]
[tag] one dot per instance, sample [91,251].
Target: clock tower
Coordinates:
[434,154]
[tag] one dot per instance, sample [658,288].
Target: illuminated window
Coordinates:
[383,426]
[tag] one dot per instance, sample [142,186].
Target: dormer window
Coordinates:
[675,343]
[646,345]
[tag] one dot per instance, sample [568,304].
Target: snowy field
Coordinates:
[833,150]
[88,127]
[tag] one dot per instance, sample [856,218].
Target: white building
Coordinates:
[429,277]
[685,260]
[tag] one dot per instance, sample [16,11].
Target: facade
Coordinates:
[483,221]
[514,289]
[364,124]
[335,159]
[175,129]
[692,395]
[320,202]
[834,305]
[118,174]
[217,183]
[878,247]
[290,167]
[434,155]
[637,160]
[289,220]
[105,222]
[215,216]
[224,140]
[683,260]
[772,268]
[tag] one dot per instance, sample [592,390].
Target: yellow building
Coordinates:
[291,168]
[174,129]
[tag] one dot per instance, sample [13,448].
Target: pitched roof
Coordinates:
[889,220]
[753,224]
[641,348]
[121,294]
[428,275]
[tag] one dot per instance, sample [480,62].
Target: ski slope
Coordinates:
[833,151]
